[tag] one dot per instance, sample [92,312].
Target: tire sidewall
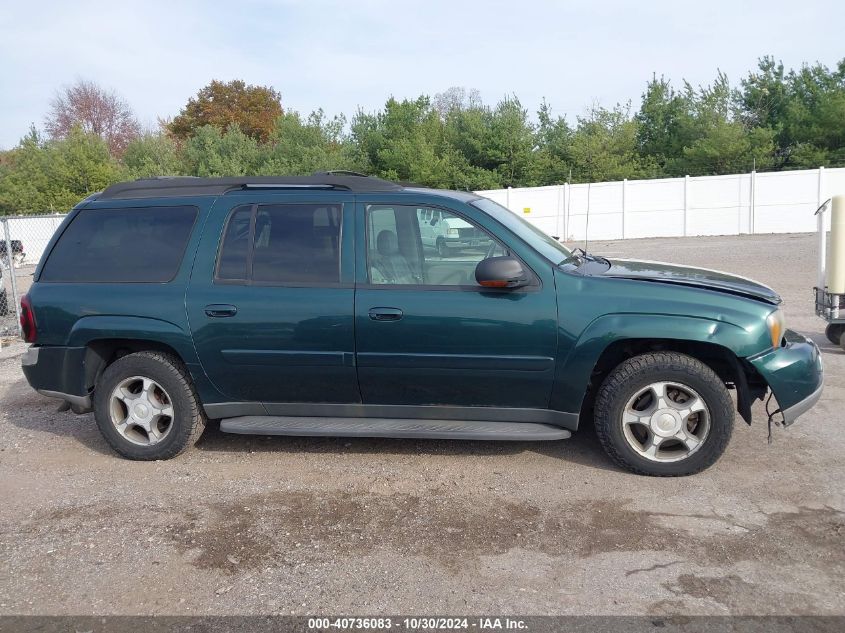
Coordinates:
[719,405]
[165,375]
[833,332]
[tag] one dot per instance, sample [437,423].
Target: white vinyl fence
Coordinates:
[772,202]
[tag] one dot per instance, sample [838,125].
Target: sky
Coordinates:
[345,55]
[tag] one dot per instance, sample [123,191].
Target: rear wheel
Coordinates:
[833,332]
[146,408]
[664,414]
[442,249]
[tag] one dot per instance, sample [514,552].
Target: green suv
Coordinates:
[315,306]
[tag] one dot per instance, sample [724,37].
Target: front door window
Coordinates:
[409,245]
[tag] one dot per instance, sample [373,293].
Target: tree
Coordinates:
[554,147]
[95,111]
[298,147]
[47,176]
[254,109]
[211,153]
[805,109]
[604,147]
[152,154]
[511,143]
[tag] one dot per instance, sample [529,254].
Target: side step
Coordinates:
[383,427]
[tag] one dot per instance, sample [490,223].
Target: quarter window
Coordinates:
[121,245]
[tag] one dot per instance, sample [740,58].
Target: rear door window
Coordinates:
[282,244]
[121,245]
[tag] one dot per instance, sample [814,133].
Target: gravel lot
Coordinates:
[245,525]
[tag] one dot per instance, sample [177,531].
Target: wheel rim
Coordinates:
[141,410]
[666,422]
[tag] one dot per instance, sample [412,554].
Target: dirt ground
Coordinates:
[244,525]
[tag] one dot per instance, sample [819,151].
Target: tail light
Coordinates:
[28,328]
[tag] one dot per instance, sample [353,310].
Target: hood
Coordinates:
[689,276]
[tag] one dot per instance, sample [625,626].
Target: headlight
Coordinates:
[453,233]
[776,327]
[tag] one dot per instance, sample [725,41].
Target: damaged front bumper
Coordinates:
[794,373]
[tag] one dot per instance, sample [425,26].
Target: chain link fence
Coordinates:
[23,240]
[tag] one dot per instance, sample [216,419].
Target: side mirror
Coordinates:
[501,272]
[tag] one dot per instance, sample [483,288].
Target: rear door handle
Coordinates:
[385,314]
[221,310]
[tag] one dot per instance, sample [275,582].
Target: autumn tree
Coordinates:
[253,109]
[94,110]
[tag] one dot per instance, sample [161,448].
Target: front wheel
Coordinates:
[146,408]
[664,414]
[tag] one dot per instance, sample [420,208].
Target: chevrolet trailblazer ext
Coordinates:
[312,306]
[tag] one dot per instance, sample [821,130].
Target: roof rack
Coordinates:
[192,186]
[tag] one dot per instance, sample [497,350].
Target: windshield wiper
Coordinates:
[582,256]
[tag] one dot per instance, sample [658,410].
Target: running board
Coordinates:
[383,427]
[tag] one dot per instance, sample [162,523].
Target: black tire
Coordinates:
[188,420]
[833,332]
[636,374]
[4,303]
[442,250]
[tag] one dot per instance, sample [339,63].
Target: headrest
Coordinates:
[387,242]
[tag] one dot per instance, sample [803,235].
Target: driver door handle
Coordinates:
[385,314]
[220,310]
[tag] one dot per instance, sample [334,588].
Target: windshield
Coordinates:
[544,244]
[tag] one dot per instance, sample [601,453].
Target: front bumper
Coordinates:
[466,242]
[794,373]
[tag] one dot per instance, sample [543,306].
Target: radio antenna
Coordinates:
[587,227]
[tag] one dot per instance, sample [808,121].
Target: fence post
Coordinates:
[624,192]
[822,234]
[567,206]
[686,203]
[10,259]
[752,194]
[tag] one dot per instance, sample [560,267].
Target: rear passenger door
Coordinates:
[270,301]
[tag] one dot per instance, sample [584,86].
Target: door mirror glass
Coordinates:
[501,272]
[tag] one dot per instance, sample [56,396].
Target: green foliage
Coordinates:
[299,148]
[212,152]
[152,154]
[775,119]
[52,176]
[604,147]
[805,109]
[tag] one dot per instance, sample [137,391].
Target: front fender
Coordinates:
[573,374]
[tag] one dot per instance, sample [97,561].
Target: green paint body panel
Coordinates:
[534,347]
